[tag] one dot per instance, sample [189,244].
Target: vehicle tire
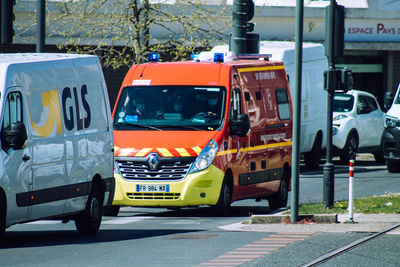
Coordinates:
[350,149]
[111,211]
[223,206]
[279,199]
[3,215]
[88,221]
[312,158]
[393,166]
[380,155]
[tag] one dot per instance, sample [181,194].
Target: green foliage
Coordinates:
[123,32]
[388,203]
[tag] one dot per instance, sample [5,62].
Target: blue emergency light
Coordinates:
[195,57]
[153,57]
[219,57]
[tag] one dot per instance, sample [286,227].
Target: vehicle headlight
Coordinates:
[391,122]
[205,158]
[340,117]
[116,168]
[335,129]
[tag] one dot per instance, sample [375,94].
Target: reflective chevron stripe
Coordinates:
[163,152]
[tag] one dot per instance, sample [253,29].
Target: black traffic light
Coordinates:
[7,19]
[338,33]
[346,79]
[249,15]
[338,79]
[243,40]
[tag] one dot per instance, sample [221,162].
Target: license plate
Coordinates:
[152,188]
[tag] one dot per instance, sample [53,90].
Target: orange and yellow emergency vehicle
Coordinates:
[203,132]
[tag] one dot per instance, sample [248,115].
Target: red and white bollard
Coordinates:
[351,190]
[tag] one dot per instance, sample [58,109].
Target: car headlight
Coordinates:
[339,117]
[116,168]
[335,129]
[391,122]
[205,158]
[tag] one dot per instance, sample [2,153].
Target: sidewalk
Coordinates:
[362,223]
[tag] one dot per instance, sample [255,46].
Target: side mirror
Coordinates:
[14,136]
[388,100]
[240,126]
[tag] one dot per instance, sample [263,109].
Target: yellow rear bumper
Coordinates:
[201,188]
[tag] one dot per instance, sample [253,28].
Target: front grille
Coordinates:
[161,196]
[167,169]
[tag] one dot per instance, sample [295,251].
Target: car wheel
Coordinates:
[111,211]
[88,221]
[349,150]
[312,158]
[393,166]
[279,199]
[380,154]
[223,206]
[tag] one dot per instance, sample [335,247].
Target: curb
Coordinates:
[273,219]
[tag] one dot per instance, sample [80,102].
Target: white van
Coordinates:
[56,158]
[313,95]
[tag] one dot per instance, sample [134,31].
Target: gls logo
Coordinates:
[71,113]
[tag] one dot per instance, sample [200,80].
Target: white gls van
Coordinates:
[56,154]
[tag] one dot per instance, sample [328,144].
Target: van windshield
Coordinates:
[185,108]
[342,102]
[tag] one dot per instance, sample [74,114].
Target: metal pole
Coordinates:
[6,21]
[329,175]
[40,29]
[351,190]
[297,110]
[239,29]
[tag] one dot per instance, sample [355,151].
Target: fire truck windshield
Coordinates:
[170,108]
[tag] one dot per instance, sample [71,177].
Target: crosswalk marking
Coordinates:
[256,249]
[126,220]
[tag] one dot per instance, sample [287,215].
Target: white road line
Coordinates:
[45,222]
[126,220]
[233,227]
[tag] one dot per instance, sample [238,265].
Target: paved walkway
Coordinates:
[362,223]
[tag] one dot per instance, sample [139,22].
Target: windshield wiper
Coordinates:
[149,127]
[181,127]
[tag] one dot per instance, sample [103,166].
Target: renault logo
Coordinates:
[153,161]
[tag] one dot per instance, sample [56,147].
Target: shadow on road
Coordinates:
[25,239]
[237,210]
[363,164]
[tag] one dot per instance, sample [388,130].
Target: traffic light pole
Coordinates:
[329,175]
[294,213]
[7,18]
[40,29]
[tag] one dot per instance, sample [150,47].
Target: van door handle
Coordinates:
[26,158]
